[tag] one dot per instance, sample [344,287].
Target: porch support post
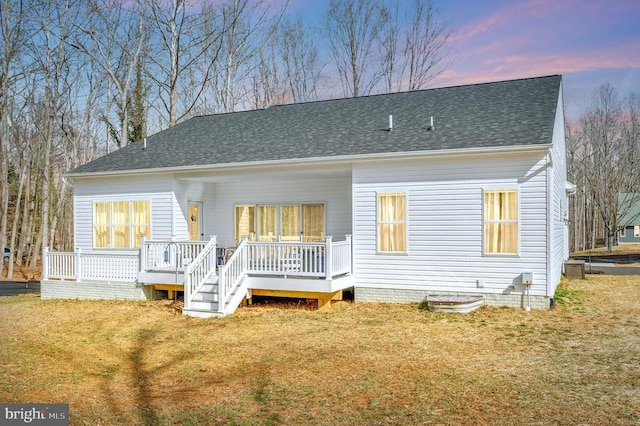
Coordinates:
[79,264]
[45,263]
[327,258]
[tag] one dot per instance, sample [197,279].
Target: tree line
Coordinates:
[603,149]
[80,78]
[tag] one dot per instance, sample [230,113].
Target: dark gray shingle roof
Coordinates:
[501,114]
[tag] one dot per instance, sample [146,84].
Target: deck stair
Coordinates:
[205,303]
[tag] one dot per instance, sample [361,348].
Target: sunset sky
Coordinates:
[589,42]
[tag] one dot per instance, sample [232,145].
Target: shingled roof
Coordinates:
[502,114]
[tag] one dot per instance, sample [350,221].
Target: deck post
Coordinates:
[349,240]
[327,258]
[143,254]
[78,264]
[245,253]
[45,263]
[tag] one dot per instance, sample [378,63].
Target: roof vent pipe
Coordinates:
[431,125]
[144,144]
[390,122]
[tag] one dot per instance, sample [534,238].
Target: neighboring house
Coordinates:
[450,191]
[629,215]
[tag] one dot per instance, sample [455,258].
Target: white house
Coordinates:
[450,191]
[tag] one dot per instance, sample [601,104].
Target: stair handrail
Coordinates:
[198,272]
[230,276]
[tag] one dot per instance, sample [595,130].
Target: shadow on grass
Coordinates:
[142,377]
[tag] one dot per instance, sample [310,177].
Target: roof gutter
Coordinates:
[322,160]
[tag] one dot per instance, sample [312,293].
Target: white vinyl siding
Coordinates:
[333,193]
[445,219]
[558,230]
[156,189]
[187,191]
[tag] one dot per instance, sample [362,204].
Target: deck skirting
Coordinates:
[94,290]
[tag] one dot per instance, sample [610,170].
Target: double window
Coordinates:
[501,226]
[120,224]
[392,222]
[287,222]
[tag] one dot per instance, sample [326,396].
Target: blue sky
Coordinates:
[589,42]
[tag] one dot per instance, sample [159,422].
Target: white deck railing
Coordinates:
[322,259]
[91,265]
[198,272]
[300,259]
[230,277]
[166,255]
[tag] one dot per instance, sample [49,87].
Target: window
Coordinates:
[636,231]
[120,224]
[623,232]
[313,222]
[392,222]
[501,221]
[245,222]
[287,221]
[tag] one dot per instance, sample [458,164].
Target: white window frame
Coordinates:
[278,206]
[515,188]
[405,222]
[133,244]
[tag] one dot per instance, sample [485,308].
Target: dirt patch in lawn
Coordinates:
[144,363]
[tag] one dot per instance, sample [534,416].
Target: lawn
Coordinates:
[143,363]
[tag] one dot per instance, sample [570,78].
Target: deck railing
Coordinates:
[304,259]
[230,276]
[167,255]
[198,272]
[325,259]
[91,265]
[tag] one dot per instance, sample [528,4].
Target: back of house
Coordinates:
[450,191]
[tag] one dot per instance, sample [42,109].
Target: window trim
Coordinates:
[405,193]
[278,206]
[131,224]
[518,221]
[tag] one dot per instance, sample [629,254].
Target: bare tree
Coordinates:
[607,151]
[300,59]
[424,48]
[13,37]
[115,36]
[187,38]
[247,28]
[354,29]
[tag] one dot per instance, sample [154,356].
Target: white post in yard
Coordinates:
[45,263]
[78,264]
[327,258]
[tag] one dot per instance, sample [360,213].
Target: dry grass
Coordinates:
[141,363]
